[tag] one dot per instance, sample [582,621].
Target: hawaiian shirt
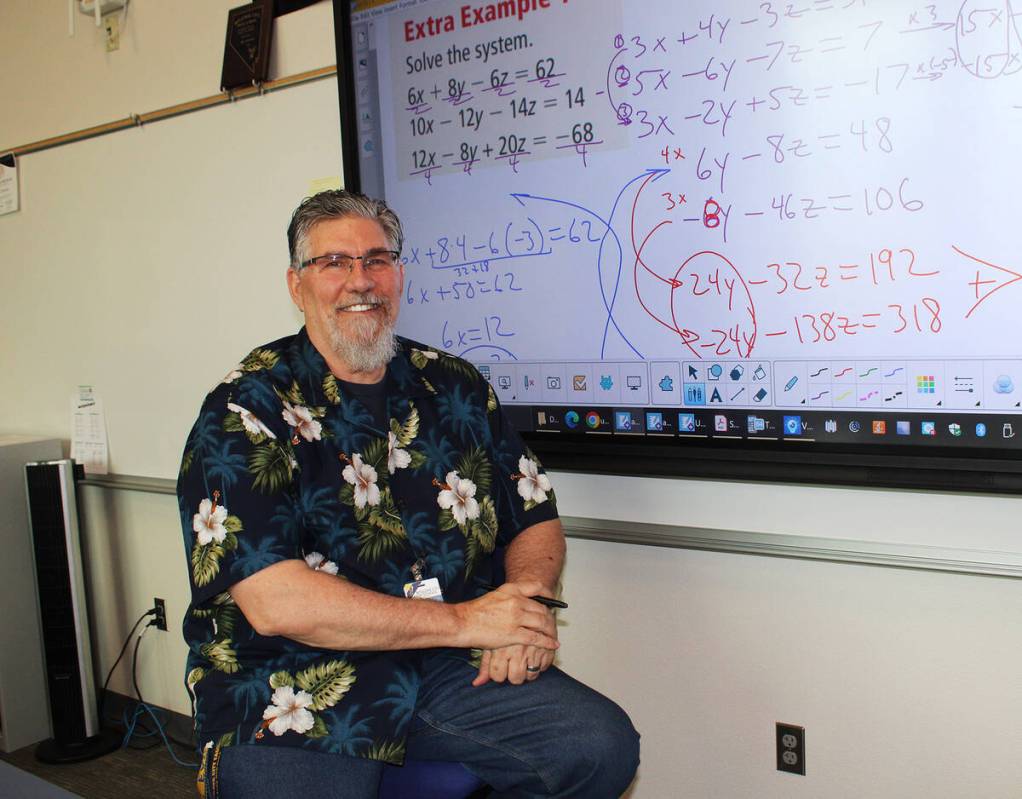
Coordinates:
[281,464]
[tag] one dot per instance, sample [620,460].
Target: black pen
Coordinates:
[543,600]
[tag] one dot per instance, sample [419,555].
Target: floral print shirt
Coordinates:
[281,464]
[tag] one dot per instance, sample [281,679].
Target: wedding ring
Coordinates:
[532,669]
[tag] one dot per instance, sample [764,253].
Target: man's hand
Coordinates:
[518,663]
[507,617]
[512,663]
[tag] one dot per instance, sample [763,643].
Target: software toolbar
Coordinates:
[962,385]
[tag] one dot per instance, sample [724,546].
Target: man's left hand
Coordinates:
[515,664]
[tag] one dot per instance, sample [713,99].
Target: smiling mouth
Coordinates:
[360,307]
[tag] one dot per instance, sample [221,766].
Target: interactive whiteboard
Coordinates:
[769,225]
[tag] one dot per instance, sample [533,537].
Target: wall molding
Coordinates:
[838,550]
[137,120]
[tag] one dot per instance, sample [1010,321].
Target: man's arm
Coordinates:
[536,555]
[325,611]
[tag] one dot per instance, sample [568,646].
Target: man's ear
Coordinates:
[294,281]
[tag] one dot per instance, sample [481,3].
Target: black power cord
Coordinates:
[109,674]
[137,719]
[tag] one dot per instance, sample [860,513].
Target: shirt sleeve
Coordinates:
[524,495]
[236,491]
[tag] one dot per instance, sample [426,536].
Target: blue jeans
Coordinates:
[552,737]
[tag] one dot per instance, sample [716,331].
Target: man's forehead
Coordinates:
[349,227]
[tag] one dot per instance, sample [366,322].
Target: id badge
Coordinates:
[424,589]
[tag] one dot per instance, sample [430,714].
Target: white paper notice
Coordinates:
[88,431]
[8,183]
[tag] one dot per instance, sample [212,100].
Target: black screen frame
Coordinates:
[901,466]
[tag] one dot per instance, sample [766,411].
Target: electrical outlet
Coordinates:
[160,618]
[791,748]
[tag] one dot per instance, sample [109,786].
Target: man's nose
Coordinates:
[359,279]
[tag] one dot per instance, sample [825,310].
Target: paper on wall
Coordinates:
[88,431]
[8,183]
[324,184]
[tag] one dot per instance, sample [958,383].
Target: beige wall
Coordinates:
[171,52]
[908,682]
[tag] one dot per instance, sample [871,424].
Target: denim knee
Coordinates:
[604,755]
[615,751]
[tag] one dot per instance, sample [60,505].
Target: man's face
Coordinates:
[349,315]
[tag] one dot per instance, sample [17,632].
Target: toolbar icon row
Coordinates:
[605,383]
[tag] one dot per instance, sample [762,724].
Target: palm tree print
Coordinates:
[445,563]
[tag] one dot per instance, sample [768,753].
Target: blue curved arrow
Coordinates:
[617,280]
[607,307]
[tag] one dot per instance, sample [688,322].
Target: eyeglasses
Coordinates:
[375,262]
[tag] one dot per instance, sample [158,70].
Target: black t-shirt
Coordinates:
[373,396]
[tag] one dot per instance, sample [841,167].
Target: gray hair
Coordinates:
[337,204]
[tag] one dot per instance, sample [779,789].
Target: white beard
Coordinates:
[367,345]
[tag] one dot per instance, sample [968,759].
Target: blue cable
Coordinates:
[140,709]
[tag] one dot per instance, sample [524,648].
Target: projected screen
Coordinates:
[792,227]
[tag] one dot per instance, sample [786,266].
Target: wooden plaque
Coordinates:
[247,48]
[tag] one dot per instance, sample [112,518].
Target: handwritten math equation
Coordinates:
[759,176]
[716,305]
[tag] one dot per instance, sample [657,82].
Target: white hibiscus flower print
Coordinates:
[251,421]
[289,711]
[458,495]
[429,354]
[208,523]
[317,562]
[397,458]
[363,477]
[531,484]
[300,418]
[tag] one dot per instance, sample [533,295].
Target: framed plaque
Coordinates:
[247,48]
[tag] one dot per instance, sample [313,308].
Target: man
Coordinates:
[335,483]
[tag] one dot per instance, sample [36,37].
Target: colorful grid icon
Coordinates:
[926,384]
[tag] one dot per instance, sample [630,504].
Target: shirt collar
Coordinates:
[320,387]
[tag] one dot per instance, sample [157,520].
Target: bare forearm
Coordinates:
[324,611]
[537,554]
